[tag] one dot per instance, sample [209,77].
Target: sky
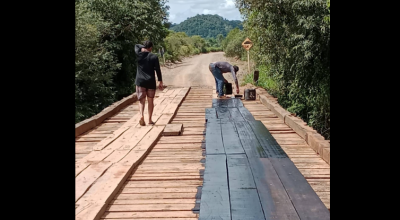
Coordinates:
[180,10]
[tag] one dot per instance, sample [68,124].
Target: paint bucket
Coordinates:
[228,89]
[250,94]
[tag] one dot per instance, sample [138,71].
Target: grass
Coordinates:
[265,80]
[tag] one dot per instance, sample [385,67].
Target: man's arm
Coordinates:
[157,68]
[158,71]
[235,79]
[138,48]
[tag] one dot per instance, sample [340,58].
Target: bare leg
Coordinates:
[150,108]
[141,107]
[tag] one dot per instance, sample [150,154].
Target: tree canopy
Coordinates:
[207,26]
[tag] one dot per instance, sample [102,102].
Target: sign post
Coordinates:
[247,44]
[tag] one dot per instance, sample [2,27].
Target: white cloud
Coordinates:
[206,11]
[229,4]
[180,10]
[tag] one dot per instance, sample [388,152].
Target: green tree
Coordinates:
[131,23]
[292,38]
[232,44]
[207,26]
[95,66]
[105,34]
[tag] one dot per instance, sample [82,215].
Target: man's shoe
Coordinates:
[222,97]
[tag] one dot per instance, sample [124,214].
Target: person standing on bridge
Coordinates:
[147,63]
[217,69]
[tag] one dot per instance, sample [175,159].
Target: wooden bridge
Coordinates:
[235,159]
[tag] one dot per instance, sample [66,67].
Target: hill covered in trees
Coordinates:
[206,26]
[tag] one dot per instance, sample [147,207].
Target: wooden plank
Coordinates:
[245,205]
[215,195]
[136,215]
[235,114]
[158,190]
[211,114]
[108,140]
[249,141]
[244,200]
[214,144]
[143,147]
[106,190]
[223,113]
[83,149]
[183,92]
[169,92]
[178,146]
[173,129]
[246,114]
[150,207]
[189,114]
[164,184]
[164,119]
[274,200]
[230,138]
[177,91]
[238,102]
[139,134]
[239,172]
[156,196]
[267,141]
[217,103]
[299,190]
[153,201]
[88,176]
[79,167]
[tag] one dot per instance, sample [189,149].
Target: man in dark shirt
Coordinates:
[147,63]
[217,69]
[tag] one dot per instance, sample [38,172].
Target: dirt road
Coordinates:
[193,71]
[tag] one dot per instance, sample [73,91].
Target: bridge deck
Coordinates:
[168,181]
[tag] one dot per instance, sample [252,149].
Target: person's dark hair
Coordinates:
[147,44]
[236,68]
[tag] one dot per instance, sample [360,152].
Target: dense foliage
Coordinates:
[232,44]
[178,45]
[206,26]
[292,49]
[105,34]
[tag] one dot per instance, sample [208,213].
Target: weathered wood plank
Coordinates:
[299,190]
[249,141]
[214,143]
[223,113]
[244,200]
[274,199]
[231,139]
[245,205]
[215,195]
[173,129]
[235,114]
[267,141]
[246,114]
[240,175]
[88,176]
[166,214]
[211,114]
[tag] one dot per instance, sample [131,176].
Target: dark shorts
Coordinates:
[142,92]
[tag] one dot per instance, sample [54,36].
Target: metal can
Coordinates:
[250,94]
